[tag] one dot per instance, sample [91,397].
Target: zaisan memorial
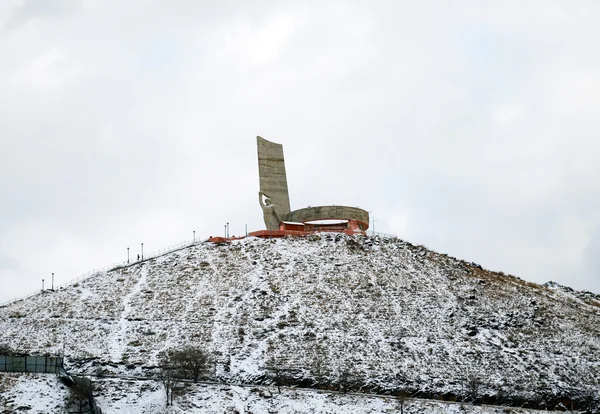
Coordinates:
[274,200]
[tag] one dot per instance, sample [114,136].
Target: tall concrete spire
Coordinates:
[273,195]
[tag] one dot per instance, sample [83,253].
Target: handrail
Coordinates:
[151,255]
[383,235]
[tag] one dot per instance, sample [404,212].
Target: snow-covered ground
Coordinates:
[119,396]
[44,394]
[390,314]
[32,393]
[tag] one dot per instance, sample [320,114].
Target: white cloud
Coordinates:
[508,114]
[51,69]
[250,45]
[469,128]
[575,92]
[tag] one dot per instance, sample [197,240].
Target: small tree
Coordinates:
[187,363]
[345,379]
[177,364]
[318,368]
[167,379]
[401,396]
[473,387]
[81,391]
[589,400]
[275,372]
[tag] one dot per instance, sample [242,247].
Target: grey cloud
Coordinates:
[32,9]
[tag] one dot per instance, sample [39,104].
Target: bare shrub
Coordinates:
[186,363]
[81,392]
[167,380]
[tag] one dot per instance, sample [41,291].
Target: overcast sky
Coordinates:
[471,127]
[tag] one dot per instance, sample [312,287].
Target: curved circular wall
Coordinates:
[304,215]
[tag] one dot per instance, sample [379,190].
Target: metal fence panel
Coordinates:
[17,364]
[40,364]
[30,364]
[53,364]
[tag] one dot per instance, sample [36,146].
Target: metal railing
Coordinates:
[116,265]
[383,235]
[151,255]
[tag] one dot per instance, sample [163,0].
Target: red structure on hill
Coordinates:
[274,200]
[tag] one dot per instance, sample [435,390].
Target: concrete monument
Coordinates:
[274,200]
[273,195]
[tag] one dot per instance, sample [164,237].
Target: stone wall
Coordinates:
[329,213]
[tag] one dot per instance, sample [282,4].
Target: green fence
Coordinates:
[42,364]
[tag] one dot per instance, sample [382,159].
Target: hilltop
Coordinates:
[383,313]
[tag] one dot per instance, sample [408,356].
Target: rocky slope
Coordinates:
[382,313]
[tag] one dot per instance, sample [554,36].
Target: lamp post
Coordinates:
[42,285]
[52,281]
[194,236]
[128,255]
[227,229]
[142,251]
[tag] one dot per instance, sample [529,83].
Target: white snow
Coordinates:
[397,315]
[32,393]
[118,343]
[44,394]
[137,397]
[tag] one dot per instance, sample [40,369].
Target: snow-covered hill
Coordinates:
[385,313]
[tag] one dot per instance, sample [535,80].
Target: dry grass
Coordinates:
[503,278]
[476,271]
[7,381]
[593,302]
